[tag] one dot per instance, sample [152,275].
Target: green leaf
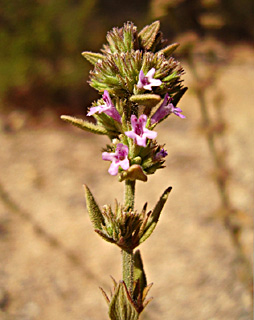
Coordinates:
[154,217]
[92,57]
[148,34]
[139,273]
[85,125]
[93,210]
[169,49]
[121,306]
[148,100]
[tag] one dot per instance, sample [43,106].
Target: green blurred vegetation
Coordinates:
[41,42]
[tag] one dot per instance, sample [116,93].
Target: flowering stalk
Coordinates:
[140,85]
[127,255]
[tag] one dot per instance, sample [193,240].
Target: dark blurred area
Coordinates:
[41,42]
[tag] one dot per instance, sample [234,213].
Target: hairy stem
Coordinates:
[129,194]
[128,264]
[127,256]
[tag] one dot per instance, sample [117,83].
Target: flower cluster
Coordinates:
[139,133]
[141,84]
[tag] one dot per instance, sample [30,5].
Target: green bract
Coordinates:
[124,227]
[117,67]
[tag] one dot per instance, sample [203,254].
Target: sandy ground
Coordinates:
[51,261]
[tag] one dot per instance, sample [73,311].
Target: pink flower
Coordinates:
[147,82]
[165,109]
[119,158]
[139,132]
[107,108]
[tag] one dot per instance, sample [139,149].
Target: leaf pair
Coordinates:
[89,126]
[127,229]
[121,304]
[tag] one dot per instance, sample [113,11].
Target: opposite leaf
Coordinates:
[121,306]
[139,274]
[93,210]
[85,125]
[154,217]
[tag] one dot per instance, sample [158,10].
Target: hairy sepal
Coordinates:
[92,57]
[148,34]
[169,49]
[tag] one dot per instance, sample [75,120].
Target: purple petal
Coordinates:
[130,134]
[125,164]
[155,82]
[98,109]
[177,112]
[165,109]
[148,87]
[161,154]
[114,114]
[150,134]
[106,97]
[122,150]
[150,74]
[180,115]
[119,158]
[147,82]
[142,120]
[141,141]
[139,132]
[141,79]
[113,169]
[108,156]
[107,108]
[134,121]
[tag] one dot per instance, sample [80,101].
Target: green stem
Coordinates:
[127,255]
[128,264]
[129,194]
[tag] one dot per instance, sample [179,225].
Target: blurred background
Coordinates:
[51,261]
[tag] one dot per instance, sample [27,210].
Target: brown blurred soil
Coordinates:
[51,261]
